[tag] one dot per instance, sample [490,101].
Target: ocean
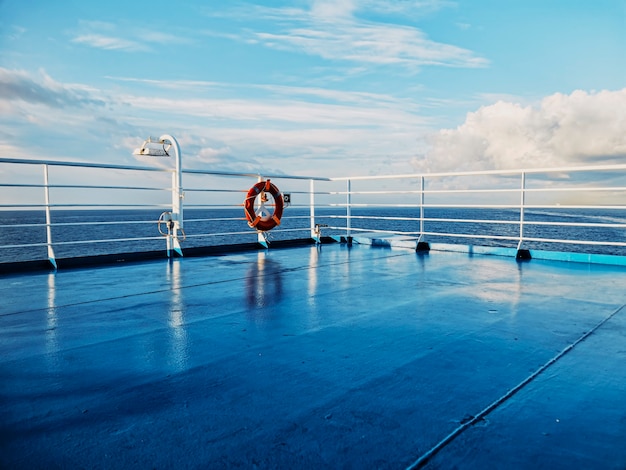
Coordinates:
[123,231]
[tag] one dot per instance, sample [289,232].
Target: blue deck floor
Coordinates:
[337,357]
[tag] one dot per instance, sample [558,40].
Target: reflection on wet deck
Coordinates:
[315,357]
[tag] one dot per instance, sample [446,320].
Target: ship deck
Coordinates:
[330,356]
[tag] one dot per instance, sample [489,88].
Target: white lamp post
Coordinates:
[166,142]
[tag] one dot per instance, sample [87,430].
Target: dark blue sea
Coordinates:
[137,231]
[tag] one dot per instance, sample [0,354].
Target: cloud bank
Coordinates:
[562,130]
[313,130]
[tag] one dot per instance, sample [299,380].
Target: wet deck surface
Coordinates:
[336,357]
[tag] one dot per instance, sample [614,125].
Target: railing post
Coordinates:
[261,236]
[348,210]
[314,233]
[422,245]
[177,195]
[522,253]
[51,257]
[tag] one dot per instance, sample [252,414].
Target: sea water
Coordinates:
[124,231]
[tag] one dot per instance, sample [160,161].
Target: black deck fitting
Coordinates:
[422,247]
[523,255]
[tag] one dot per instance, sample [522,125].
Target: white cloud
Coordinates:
[15,32]
[20,86]
[331,29]
[404,7]
[373,44]
[563,130]
[297,126]
[332,9]
[107,36]
[108,42]
[298,130]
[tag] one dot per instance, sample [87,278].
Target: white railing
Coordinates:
[563,190]
[69,209]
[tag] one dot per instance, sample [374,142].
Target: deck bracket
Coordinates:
[422,247]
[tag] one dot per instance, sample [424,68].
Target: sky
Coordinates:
[317,87]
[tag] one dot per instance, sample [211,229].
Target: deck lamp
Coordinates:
[161,148]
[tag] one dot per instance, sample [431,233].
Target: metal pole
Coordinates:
[260,236]
[521,211]
[421,209]
[348,208]
[51,257]
[314,234]
[177,194]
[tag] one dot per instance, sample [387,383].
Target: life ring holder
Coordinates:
[257,219]
[166,219]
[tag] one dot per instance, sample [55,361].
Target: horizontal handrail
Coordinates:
[564,169]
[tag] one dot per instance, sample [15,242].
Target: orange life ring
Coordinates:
[259,221]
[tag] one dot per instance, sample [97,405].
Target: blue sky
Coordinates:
[317,87]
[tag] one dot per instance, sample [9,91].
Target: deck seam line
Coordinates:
[425,458]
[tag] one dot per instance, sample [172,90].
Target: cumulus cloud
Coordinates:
[562,130]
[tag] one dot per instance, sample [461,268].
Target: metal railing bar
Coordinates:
[343,193]
[487,172]
[429,219]
[467,235]
[79,242]
[157,169]
[581,206]
[247,232]
[108,240]
[574,242]
[396,192]
[358,205]
[81,186]
[487,236]
[473,221]
[103,166]
[576,224]
[576,188]
[365,217]
[60,206]
[217,219]
[488,191]
[205,190]
[394,232]
[75,224]
[612,167]
[254,175]
[213,206]
[439,206]
[111,205]
[434,191]
[485,221]
[219,234]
